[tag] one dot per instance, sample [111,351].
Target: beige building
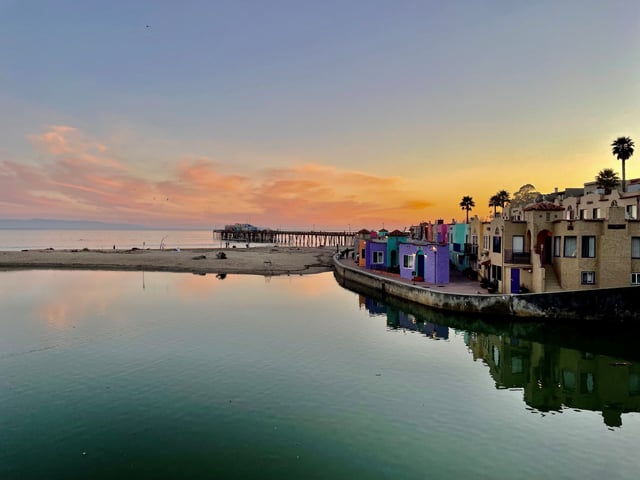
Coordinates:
[576,240]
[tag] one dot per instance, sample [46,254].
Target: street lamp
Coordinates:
[434,249]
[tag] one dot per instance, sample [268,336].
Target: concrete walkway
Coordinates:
[458,283]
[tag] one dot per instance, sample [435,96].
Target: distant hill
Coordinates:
[48,224]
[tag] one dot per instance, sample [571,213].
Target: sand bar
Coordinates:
[256,261]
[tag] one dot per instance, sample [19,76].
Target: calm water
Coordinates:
[157,375]
[106,239]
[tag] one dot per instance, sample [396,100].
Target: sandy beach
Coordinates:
[256,261]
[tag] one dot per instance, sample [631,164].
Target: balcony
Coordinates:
[517,258]
[471,249]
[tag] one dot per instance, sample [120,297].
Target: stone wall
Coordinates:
[614,304]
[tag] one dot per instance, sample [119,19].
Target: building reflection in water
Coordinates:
[555,377]
[398,319]
[552,377]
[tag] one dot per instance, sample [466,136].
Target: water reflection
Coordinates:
[289,379]
[553,377]
[398,319]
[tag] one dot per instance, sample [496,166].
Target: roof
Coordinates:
[416,243]
[548,206]
[398,233]
[631,194]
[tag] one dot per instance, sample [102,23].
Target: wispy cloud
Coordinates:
[77,177]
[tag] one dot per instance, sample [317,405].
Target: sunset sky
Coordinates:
[293,113]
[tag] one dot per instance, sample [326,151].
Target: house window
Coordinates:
[631,212]
[583,214]
[587,384]
[408,261]
[517,243]
[588,278]
[588,246]
[497,244]
[496,272]
[557,246]
[634,384]
[548,217]
[486,242]
[635,278]
[517,365]
[635,247]
[570,246]
[568,380]
[378,258]
[596,213]
[474,239]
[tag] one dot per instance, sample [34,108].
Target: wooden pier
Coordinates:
[291,238]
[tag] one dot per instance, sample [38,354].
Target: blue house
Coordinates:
[376,254]
[458,245]
[394,239]
[426,260]
[382,253]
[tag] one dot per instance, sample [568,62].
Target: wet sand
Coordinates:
[256,261]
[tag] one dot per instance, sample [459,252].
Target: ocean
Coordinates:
[107,239]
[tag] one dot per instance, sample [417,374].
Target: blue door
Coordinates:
[420,263]
[515,280]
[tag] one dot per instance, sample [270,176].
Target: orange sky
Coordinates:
[331,115]
[77,177]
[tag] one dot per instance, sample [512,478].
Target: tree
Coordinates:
[622,148]
[607,179]
[525,196]
[500,199]
[467,204]
[494,202]
[503,198]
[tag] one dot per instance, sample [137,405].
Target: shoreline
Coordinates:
[619,304]
[252,261]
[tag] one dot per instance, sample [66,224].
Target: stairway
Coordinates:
[551,280]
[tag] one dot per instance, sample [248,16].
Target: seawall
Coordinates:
[611,304]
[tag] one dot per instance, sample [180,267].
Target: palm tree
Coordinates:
[494,202]
[607,179]
[503,198]
[622,148]
[467,204]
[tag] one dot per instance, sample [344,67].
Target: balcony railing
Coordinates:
[471,249]
[518,258]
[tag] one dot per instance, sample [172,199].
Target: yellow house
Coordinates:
[577,242]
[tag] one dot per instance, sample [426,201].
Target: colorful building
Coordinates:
[574,242]
[376,254]
[424,260]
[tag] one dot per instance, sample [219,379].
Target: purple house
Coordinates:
[426,260]
[376,253]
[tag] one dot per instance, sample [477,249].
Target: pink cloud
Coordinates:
[77,177]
